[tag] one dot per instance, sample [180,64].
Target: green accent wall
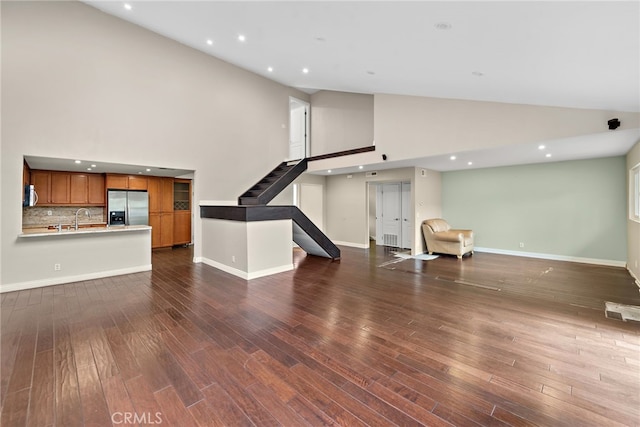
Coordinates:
[573,208]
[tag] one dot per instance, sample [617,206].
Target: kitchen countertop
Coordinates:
[45,231]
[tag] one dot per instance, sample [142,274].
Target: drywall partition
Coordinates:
[247,249]
[633,227]
[435,126]
[347,209]
[340,121]
[80,84]
[428,202]
[573,210]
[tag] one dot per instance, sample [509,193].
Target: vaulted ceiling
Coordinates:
[569,54]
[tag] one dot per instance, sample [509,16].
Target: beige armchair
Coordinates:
[441,238]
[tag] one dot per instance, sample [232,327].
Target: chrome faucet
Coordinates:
[87,212]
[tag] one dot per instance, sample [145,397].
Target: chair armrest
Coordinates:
[449,236]
[465,233]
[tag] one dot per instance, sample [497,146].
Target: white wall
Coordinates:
[82,256]
[78,83]
[410,126]
[340,121]
[247,249]
[347,209]
[427,189]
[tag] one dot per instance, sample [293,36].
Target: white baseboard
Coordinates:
[243,274]
[596,261]
[637,279]
[70,279]
[352,245]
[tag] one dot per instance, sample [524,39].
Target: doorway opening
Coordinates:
[299,144]
[390,214]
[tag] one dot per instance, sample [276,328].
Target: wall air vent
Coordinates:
[370,174]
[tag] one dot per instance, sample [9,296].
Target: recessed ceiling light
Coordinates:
[148,170]
[93,166]
[469,163]
[209,42]
[241,37]
[548,155]
[78,162]
[140,173]
[88,169]
[541,147]
[329,171]
[127,6]
[305,70]
[477,73]
[453,157]
[360,167]
[270,69]
[443,26]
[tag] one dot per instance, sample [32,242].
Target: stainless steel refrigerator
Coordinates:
[128,207]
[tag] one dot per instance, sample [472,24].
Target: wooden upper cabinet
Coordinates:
[41,180]
[79,188]
[138,182]
[26,177]
[127,182]
[155,195]
[117,182]
[60,188]
[167,194]
[69,188]
[160,194]
[96,189]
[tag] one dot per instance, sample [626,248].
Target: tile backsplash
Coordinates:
[65,215]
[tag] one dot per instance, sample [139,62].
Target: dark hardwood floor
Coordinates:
[489,340]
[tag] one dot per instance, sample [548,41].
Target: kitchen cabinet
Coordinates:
[41,180]
[78,188]
[160,194]
[181,211]
[26,178]
[127,182]
[181,227]
[161,211]
[60,188]
[68,188]
[161,229]
[96,189]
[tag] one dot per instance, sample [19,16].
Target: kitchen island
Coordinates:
[53,257]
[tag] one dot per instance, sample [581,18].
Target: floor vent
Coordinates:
[622,312]
[390,239]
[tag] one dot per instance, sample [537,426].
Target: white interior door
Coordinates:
[391,214]
[298,129]
[407,216]
[311,203]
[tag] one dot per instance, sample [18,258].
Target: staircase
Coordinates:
[273,183]
[310,238]
[305,233]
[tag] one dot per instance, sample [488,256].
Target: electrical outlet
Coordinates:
[522,244]
[56,267]
[636,263]
[49,213]
[233,258]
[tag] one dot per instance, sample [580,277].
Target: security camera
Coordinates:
[613,124]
